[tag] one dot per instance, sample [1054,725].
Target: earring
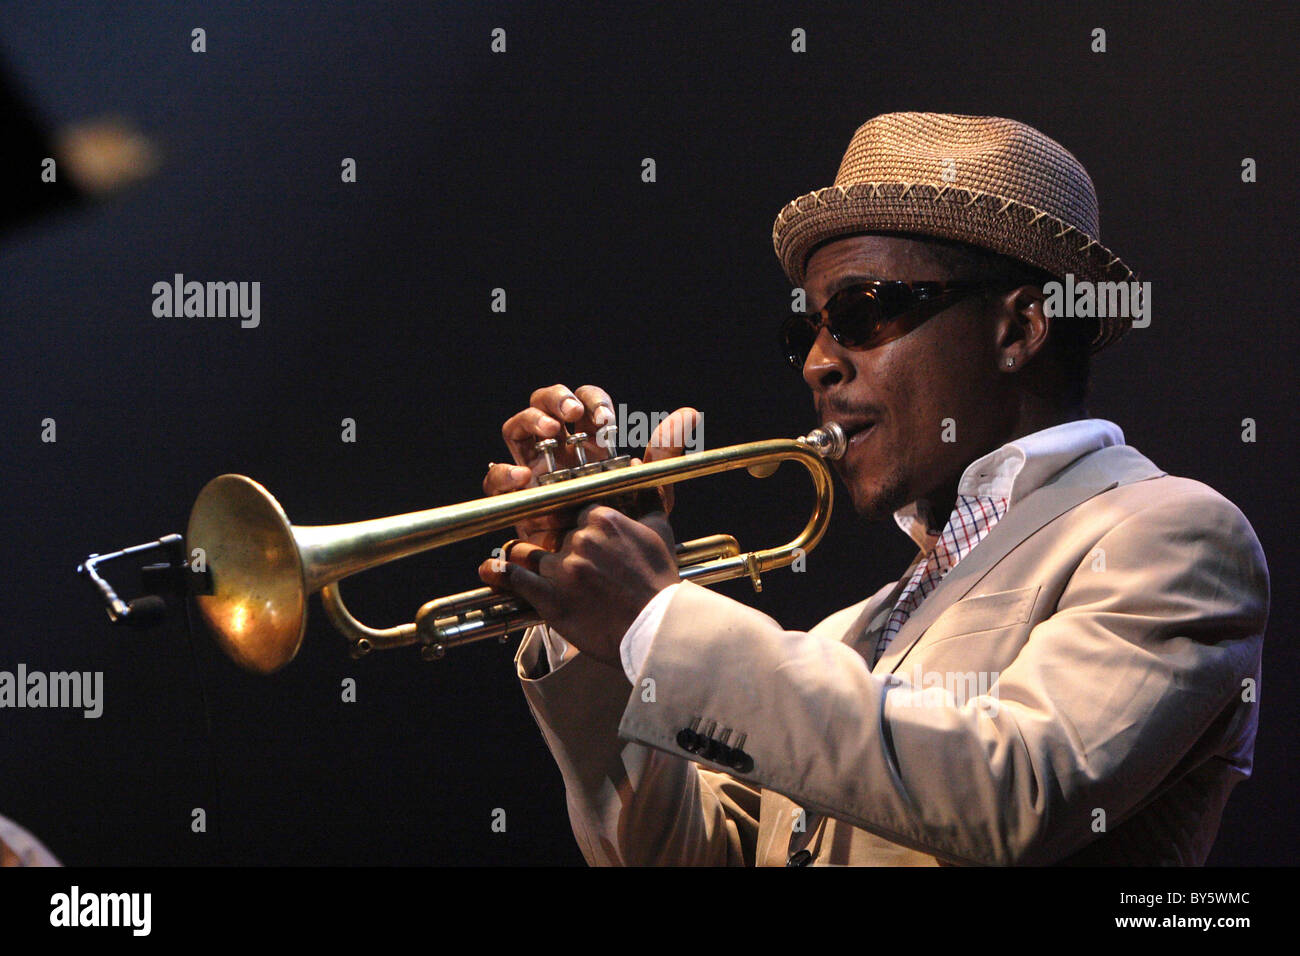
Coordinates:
[1011,363]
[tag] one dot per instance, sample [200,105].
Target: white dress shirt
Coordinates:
[1012,471]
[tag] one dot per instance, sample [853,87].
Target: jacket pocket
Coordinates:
[983,613]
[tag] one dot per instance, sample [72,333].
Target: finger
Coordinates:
[603,518]
[657,521]
[674,433]
[594,398]
[533,588]
[523,430]
[585,410]
[669,440]
[501,478]
[542,539]
[598,411]
[555,403]
[558,521]
[525,554]
[559,402]
[490,573]
[547,540]
[598,519]
[646,498]
[546,530]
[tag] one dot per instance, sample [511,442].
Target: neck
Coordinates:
[936,508]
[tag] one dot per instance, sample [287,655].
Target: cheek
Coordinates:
[950,375]
[907,382]
[928,391]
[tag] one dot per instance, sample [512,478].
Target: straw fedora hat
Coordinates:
[983,180]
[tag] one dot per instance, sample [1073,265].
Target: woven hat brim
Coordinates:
[992,222]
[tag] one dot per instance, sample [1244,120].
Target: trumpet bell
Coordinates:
[257,605]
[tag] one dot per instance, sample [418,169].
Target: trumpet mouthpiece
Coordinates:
[828,441]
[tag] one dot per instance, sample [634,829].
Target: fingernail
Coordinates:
[603,415]
[570,405]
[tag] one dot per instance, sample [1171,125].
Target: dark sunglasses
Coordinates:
[869,314]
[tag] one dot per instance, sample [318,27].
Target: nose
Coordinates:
[827,363]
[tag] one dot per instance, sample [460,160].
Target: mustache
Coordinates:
[839,410]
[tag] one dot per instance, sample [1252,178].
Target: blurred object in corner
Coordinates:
[42,170]
[20,848]
[104,155]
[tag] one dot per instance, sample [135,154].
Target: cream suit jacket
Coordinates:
[1118,613]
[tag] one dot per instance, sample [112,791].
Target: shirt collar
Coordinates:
[1018,468]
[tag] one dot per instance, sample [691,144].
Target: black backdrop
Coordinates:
[522,171]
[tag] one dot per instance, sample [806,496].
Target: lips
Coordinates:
[856,430]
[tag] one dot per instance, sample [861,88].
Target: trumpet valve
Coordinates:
[606,437]
[576,441]
[546,448]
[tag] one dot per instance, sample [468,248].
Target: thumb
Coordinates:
[675,433]
[681,429]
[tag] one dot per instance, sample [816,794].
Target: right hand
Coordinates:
[586,409]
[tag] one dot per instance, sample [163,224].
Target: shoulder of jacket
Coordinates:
[1166,501]
[1136,479]
[1162,490]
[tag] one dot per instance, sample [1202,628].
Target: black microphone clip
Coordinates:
[173,576]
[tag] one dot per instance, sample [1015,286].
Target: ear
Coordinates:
[1021,327]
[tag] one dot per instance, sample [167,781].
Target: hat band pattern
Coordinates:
[1002,225]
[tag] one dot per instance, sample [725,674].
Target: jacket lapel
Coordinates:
[866,627]
[1091,475]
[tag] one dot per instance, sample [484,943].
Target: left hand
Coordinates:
[593,588]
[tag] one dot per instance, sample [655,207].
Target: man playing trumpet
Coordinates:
[1117,611]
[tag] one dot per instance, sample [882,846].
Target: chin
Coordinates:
[877,497]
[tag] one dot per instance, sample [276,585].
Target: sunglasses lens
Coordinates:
[797,338]
[866,316]
[858,321]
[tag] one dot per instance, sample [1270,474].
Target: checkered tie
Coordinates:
[972,518]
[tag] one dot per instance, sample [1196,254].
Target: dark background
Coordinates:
[522,171]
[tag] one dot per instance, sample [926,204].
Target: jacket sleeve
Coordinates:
[20,848]
[1096,711]
[630,804]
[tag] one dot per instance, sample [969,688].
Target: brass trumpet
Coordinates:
[261,568]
